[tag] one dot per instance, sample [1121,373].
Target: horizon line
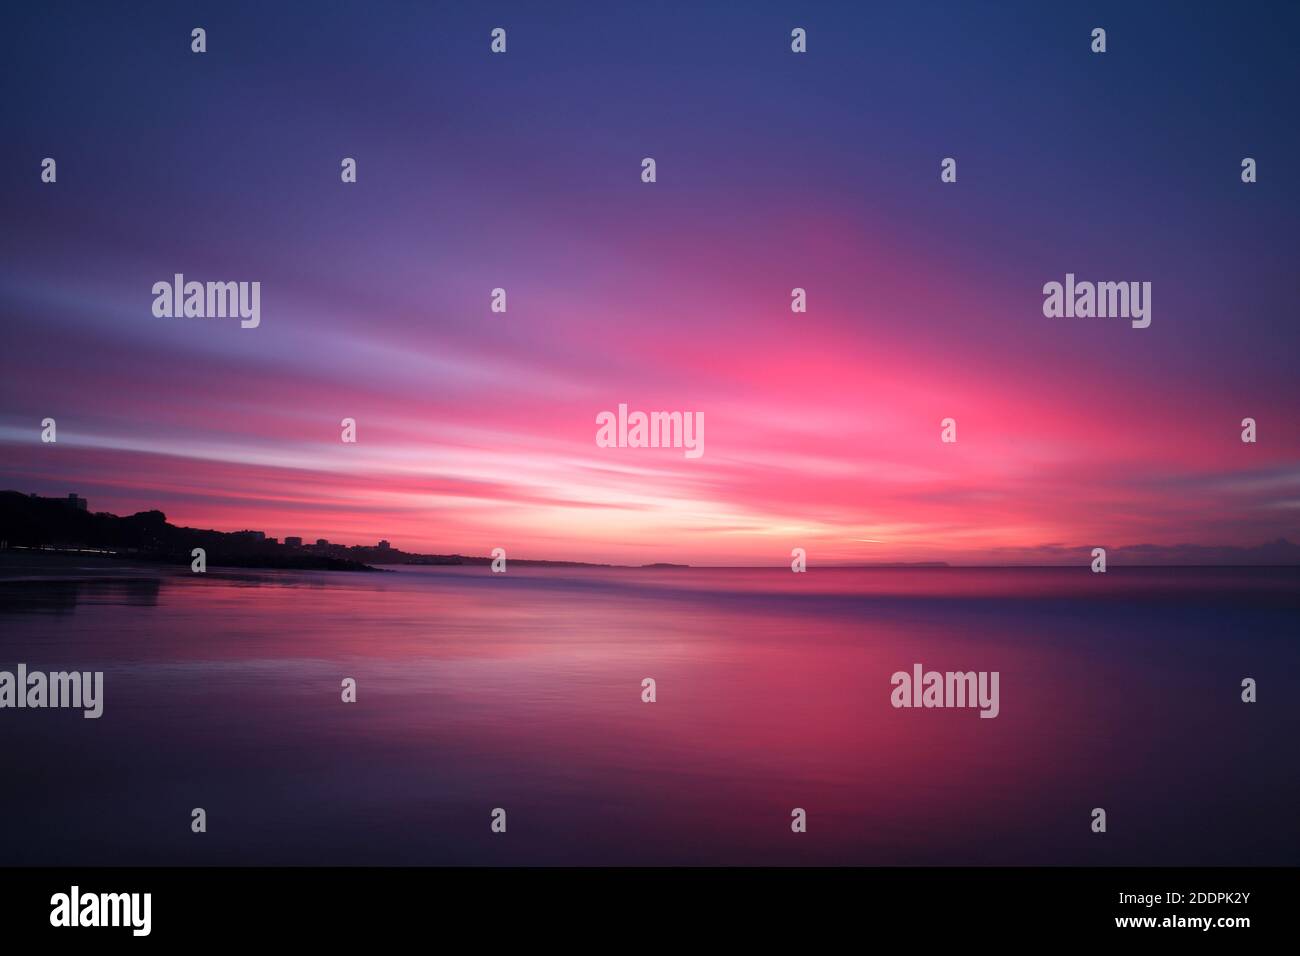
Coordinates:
[669,564]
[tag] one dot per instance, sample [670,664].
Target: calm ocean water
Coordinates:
[523,691]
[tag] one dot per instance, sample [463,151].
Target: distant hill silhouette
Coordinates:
[28,521]
[1278,553]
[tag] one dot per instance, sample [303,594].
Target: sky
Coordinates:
[775,170]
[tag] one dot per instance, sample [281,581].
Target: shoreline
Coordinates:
[41,564]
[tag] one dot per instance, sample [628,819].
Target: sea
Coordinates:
[503,719]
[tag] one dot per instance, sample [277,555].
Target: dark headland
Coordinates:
[65,525]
